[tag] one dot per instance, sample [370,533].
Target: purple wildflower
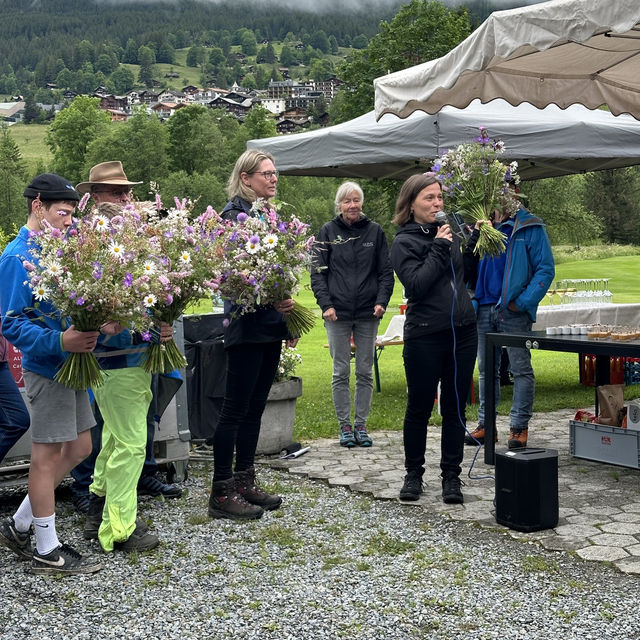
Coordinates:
[146,336]
[128,280]
[242,217]
[80,301]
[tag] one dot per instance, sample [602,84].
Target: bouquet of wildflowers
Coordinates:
[92,274]
[261,260]
[290,358]
[476,183]
[181,267]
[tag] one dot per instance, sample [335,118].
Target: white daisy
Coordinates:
[149,267]
[55,269]
[270,241]
[41,292]
[116,249]
[149,300]
[102,223]
[185,258]
[252,247]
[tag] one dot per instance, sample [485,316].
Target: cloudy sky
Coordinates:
[336,5]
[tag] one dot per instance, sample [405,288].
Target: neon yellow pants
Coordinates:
[123,401]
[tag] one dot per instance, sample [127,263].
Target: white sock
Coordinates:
[46,536]
[23,517]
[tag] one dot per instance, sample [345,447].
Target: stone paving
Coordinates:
[599,503]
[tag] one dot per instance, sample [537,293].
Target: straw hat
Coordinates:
[107,173]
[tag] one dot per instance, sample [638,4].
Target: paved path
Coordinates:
[599,503]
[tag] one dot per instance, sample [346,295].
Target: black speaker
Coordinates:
[527,489]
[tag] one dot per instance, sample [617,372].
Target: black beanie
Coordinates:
[51,188]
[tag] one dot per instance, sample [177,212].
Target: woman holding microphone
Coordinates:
[440,338]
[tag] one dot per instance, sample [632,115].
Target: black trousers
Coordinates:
[251,369]
[447,357]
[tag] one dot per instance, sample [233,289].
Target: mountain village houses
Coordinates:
[289,102]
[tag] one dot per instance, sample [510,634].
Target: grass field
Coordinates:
[31,142]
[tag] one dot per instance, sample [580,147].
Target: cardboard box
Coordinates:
[604,444]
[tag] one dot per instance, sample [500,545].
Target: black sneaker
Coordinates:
[363,439]
[451,493]
[139,540]
[15,540]
[64,560]
[150,485]
[81,502]
[412,487]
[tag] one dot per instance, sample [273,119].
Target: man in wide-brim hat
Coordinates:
[107,183]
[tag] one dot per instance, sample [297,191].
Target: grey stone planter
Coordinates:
[276,430]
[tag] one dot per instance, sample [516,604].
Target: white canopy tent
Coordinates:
[545,142]
[561,51]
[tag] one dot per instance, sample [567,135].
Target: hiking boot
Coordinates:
[139,540]
[451,493]
[63,560]
[477,436]
[347,439]
[19,542]
[412,487]
[246,486]
[363,439]
[151,485]
[81,502]
[94,517]
[226,502]
[517,438]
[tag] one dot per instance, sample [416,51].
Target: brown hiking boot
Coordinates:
[246,486]
[517,438]
[226,502]
[477,436]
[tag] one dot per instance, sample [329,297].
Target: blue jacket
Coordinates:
[36,331]
[529,267]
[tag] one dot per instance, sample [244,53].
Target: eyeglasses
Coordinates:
[267,175]
[116,192]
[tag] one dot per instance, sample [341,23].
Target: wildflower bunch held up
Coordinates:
[262,257]
[181,267]
[92,274]
[476,184]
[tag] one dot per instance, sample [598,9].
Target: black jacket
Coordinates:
[424,266]
[265,324]
[352,272]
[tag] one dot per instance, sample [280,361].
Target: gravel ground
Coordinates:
[329,564]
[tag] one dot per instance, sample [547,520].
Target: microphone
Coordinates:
[441,218]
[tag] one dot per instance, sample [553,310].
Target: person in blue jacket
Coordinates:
[61,418]
[507,293]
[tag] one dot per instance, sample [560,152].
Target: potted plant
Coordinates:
[276,430]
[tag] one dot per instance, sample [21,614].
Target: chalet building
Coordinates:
[290,125]
[190,89]
[117,115]
[171,74]
[69,95]
[165,110]
[174,96]
[303,101]
[237,109]
[147,97]
[111,102]
[12,111]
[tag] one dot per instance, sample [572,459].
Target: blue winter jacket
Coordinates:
[529,268]
[37,332]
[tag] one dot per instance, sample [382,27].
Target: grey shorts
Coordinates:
[58,414]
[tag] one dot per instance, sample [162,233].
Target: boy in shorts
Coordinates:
[61,418]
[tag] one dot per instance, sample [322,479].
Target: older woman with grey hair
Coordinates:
[352,282]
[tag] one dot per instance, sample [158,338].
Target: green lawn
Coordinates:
[31,142]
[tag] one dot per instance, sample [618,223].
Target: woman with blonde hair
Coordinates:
[252,344]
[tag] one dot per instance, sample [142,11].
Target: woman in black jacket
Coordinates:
[440,338]
[352,282]
[252,342]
